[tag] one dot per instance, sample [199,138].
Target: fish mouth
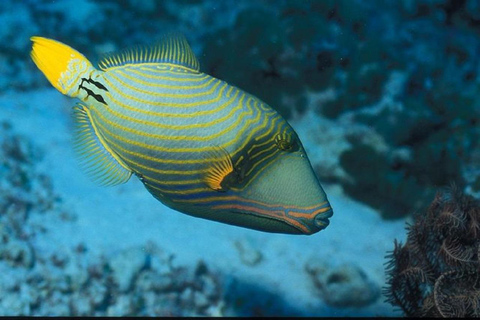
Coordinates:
[308,220]
[321,220]
[275,218]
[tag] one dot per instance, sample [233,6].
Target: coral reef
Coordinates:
[23,190]
[77,284]
[134,281]
[436,272]
[430,117]
[246,298]
[141,280]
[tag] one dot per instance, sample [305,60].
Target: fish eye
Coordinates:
[283,142]
[286,142]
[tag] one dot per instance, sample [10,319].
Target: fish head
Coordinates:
[271,186]
[286,196]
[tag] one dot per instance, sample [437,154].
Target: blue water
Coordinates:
[383,95]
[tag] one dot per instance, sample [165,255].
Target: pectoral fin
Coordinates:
[220,166]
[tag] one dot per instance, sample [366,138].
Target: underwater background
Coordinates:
[383,95]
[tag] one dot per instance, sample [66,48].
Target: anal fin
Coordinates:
[97,159]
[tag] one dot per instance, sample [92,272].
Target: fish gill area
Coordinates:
[383,93]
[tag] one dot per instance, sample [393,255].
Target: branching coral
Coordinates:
[437,272]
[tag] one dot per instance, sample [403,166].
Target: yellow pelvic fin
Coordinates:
[58,62]
[219,168]
[100,162]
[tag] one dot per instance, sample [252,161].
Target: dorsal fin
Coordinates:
[172,48]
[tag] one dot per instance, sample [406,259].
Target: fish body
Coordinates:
[198,144]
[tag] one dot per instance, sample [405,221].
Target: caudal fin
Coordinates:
[62,65]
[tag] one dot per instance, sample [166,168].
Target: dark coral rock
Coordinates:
[383,182]
[435,112]
[436,272]
[438,128]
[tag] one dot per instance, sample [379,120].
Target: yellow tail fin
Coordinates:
[62,65]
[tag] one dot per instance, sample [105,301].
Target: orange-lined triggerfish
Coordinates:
[198,144]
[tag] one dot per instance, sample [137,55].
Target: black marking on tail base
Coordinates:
[89,92]
[95,83]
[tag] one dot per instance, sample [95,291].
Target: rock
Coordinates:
[18,253]
[13,305]
[151,281]
[209,287]
[123,307]
[97,292]
[217,310]
[186,297]
[81,305]
[343,286]
[249,255]
[10,279]
[200,300]
[56,304]
[78,276]
[126,267]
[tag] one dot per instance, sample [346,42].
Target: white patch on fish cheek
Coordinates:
[75,68]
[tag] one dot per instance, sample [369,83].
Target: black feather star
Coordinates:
[436,273]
